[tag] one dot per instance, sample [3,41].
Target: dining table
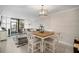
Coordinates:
[43,36]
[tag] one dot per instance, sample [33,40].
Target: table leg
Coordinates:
[42,45]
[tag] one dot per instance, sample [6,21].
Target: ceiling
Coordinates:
[31,10]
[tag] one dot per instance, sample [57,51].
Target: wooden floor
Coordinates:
[9,46]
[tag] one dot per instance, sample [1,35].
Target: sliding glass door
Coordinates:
[13,26]
[16,26]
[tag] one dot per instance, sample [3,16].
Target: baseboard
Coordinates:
[66,43]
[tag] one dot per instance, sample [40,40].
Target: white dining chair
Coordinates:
[33,43]
[51,43]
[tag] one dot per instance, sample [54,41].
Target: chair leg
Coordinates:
[44,47]
[32,49]
[54,48]
[28,48]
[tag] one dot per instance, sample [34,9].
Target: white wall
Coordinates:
[67,23]
[34,23]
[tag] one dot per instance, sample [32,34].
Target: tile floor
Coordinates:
[10,47]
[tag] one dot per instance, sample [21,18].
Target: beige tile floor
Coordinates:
[10,47]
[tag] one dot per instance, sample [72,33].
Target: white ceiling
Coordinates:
[31,10]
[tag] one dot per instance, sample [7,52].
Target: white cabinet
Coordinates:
[3,38]
[3,35]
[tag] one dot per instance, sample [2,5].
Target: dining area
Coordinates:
[33,29]
[39,41]
[37,30]
[48,40]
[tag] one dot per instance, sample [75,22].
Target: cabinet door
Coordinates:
[3,35]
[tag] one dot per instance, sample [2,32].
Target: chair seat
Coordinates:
[35,45]
[34,40]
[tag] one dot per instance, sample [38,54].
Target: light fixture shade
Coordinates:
[43,11]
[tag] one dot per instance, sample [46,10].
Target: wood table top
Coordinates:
[44,34]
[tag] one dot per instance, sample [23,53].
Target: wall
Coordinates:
[66,22]
[34,23]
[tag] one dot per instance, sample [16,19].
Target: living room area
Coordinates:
[43,21]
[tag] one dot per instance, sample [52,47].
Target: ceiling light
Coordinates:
[43,11]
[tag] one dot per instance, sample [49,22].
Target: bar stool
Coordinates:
[51,43]
[33,43]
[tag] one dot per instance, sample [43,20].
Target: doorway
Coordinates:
[16,26]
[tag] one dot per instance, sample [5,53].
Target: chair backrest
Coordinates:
[29,36]
[55,37]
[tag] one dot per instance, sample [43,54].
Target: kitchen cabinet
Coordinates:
[3,35]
